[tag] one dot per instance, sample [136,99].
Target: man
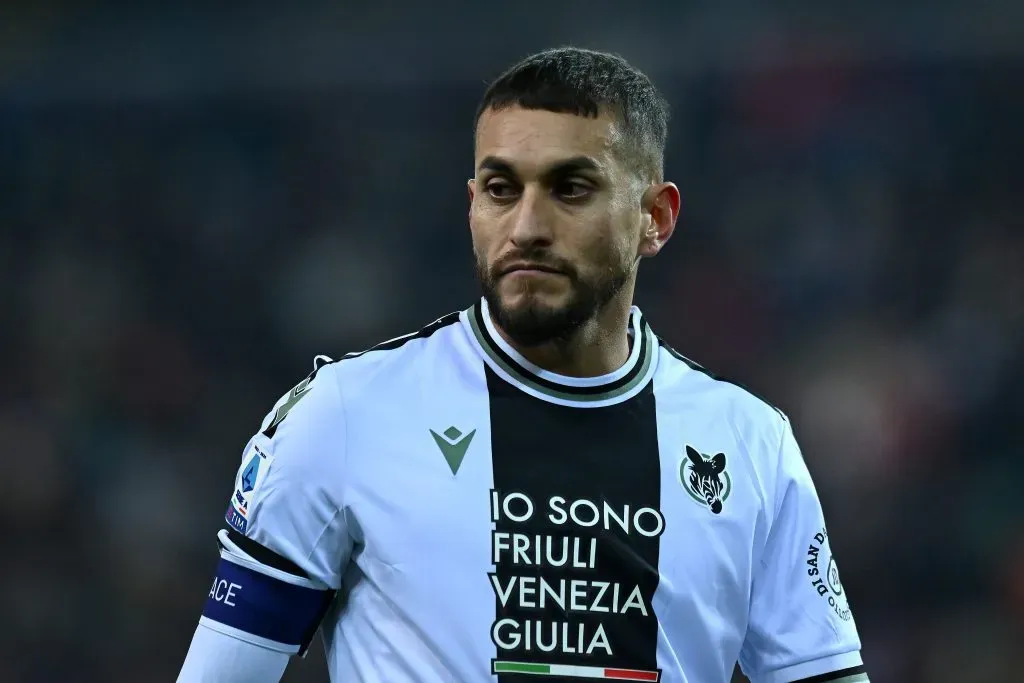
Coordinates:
[538,486]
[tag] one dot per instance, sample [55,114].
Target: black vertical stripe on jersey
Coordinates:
[608,454]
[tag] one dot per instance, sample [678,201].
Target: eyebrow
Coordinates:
[555,170]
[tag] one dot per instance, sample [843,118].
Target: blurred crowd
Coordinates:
[850,247]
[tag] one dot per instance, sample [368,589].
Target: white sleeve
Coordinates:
[217,658]
[287,545]
[293,501]
[800,625]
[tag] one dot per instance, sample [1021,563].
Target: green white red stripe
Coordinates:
[604,673]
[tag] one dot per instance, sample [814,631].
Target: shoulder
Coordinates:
[733,419]
[389,359]
[723,396]
[318,401]
[730,417]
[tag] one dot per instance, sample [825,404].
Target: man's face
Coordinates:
[556,220]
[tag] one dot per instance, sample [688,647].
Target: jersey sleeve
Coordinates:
[286,545]
[214,657]
[289,493]
[800,625]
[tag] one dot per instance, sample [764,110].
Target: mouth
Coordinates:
[530,269]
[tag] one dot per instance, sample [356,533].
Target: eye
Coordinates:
[501,189]
[573,189]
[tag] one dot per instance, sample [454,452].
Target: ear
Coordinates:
[660,205]
[718,463]
[693,455]
[471,188]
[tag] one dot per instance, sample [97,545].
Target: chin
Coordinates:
[531,319]
[525,299]
[530,310]
[542,291]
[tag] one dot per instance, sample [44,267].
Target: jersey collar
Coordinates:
[589,392]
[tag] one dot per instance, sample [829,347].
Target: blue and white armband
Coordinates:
[262,598]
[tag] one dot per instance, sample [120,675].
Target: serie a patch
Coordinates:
[251,475]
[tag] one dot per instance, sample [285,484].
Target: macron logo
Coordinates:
[453,444]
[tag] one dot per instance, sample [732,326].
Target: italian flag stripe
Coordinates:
[577,671]
[631,675]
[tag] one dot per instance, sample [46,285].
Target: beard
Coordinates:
[532,323]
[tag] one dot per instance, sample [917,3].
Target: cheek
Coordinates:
[609,245]
[482,233]
[626,240]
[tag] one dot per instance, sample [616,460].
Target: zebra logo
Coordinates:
[705,478]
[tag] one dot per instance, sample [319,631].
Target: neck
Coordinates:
[600,346]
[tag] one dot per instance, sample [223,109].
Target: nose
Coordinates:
[531,220]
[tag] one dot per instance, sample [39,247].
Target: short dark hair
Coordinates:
[583,82]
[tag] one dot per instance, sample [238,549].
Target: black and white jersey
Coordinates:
[446,511]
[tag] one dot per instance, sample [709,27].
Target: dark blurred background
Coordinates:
[196,200]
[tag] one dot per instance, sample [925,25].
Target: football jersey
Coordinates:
[452,512]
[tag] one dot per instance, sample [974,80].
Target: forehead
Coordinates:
[529,138]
